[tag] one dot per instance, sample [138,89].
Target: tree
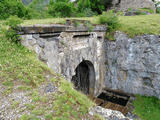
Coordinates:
[97,6]
[94,5]
[83,4]
[61,8]
[13,7]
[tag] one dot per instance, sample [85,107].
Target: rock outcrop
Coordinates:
[108,114]
[133,64]
[123,5]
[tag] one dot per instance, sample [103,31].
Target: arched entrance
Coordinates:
[84,80]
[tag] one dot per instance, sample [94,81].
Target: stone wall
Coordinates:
[133,64]
[130,65]
[64,51]
[125,4]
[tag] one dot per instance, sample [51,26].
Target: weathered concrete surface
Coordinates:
[123,5]
[64,51]
[133,64]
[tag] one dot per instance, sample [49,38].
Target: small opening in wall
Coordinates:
[80,36]
[49,35]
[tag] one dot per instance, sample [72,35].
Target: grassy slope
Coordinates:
[136,25]
[20,66]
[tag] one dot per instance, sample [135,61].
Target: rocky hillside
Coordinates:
[26,2]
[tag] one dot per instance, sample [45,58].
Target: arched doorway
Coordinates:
[84,80]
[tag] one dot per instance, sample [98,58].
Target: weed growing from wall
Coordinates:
[11,33]
[110,19]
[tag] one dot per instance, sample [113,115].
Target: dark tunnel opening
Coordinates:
[84,80]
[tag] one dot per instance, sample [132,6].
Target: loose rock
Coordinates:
[108,114]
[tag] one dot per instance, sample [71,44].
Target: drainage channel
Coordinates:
[113,100]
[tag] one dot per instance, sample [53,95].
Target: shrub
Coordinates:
[61,9]
[88,12]
[13,23]
[99,5]
[96,6]
[38,9]
[149,10]
[111,21]
[158,7]
[89,26]
[158,10]
[83,4]
[13,7]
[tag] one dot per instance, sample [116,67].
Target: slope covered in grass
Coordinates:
[23,83]
[147,108]
[142,24]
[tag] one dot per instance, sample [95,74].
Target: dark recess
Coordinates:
[114,97]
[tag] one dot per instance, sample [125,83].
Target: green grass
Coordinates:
[20,66]
[147,108]
[132,25]
[70,104]
[94,20]
[142,24]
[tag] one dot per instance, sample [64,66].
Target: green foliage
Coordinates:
[107,4]
[48,116]
[141,11]
[147,108]
[30,106]
[61,9]
[158,10]
[18,63]
[15,104]
[35,96]
[29,117]
[89,26]
[88,12]
[158,7]
[38,111]
[98,5]
[84,4]
[90,7]
[13,7]
[38,9]
[149,10]
[70,103]
[13,23]
[111,21]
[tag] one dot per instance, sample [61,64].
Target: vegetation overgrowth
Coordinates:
[40,9]
[147,108]
[132,25]
[20,66]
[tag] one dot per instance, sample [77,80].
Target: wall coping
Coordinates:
[58,28]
